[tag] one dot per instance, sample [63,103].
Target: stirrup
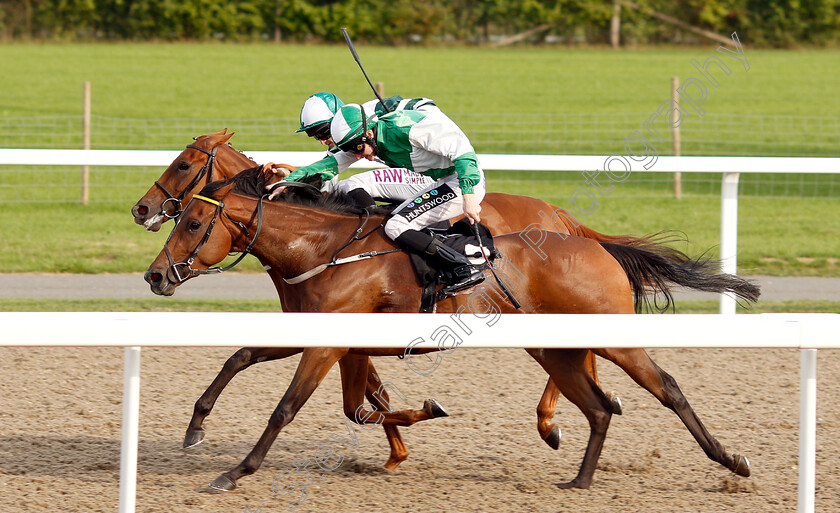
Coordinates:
[473,279]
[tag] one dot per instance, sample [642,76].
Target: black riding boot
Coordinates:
[464,273]
[361,198]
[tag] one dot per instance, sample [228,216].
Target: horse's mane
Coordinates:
[251,182]
[229,145]
[208,138]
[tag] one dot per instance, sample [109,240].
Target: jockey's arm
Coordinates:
[327,167]
[438,134]
[466,167]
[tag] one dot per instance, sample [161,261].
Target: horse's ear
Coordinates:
[223,191]
[227,137]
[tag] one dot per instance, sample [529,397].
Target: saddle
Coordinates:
[460,237]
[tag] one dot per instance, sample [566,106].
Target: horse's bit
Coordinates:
[176,200]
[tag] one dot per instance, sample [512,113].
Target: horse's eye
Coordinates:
[195,225]
[183,166]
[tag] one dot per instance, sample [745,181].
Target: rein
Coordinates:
[299,185]
[175,267]
[176,200]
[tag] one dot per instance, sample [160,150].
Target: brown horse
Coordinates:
[579,276]
[212,157]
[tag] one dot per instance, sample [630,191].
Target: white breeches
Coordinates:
[397,184]
[440,201]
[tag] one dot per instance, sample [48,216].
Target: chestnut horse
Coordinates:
[211,157]
[579,276]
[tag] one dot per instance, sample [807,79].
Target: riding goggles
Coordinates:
[320,132]
[356,145]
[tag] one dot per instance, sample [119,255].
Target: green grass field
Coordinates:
[517,100]
[792,237]
[508,100]
[257,81]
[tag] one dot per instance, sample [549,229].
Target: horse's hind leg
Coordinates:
[592,369]
[638,365]
[568,371]
[549,431]
[314,365]
[240,361]
[377,394]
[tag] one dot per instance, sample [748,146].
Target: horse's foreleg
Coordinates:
[568,371]
[548,430]
[638,365]
[240,361]
[314,365]
[353,382]
[377,394]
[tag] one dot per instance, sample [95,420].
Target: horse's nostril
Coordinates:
[142,210]
[155,277]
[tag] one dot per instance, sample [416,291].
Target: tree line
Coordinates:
[761,23]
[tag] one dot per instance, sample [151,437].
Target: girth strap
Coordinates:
[323,267]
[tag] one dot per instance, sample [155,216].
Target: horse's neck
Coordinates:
[231,161]
[294,238]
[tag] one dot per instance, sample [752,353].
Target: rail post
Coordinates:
[807,430]
[675,131]
[728,234]
[130,426]
[86,143]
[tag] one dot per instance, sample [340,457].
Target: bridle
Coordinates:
[176,200]
[177,268]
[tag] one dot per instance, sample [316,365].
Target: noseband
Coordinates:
[176,200]
[182,271]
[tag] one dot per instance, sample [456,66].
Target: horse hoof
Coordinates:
[193,438]
[434,407]
[392,464]
[223,484]
[553,438]
[742,466]
[574,483]
[617,409]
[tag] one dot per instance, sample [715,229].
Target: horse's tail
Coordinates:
[656,242]
[654,268]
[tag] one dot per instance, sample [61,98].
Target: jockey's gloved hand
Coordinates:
[271,169]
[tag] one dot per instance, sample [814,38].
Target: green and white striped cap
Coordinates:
[347,123]
[318,109]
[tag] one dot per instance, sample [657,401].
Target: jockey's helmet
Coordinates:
[347,129]
[317,112]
